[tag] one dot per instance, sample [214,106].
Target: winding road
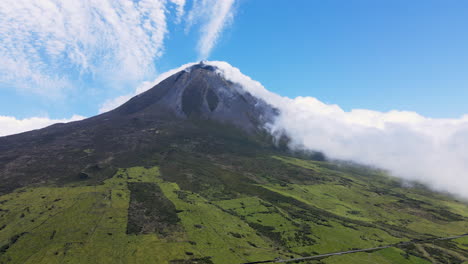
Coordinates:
[357,250]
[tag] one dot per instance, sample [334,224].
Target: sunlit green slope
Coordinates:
[230,209]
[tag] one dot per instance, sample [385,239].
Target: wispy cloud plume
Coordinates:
[180,4]
[211,15]
[214,16]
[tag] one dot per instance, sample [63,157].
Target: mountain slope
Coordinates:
[176,108]
[186,173]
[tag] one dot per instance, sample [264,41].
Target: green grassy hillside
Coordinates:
[230,209]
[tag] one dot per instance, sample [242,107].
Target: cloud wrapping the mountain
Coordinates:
[10,125]
[432,151]
[410,146]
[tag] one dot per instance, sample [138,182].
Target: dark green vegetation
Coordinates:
[147,184]
[149,210]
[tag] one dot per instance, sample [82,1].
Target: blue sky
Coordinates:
[379,55]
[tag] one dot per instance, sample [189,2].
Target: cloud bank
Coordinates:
[10,125]
[410,146]
[47,45]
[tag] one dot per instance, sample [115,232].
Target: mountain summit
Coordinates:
[187,173]
[200,91]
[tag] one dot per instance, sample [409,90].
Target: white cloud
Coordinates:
[43,43]
[407,144]
[180,4]
[10,125]
[215,16]
[411,146]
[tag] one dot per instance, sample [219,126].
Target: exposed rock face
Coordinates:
[200,92]
[147,124]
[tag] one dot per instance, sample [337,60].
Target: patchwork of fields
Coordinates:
[140,215]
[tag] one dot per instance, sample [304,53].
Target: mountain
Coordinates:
[134,132]
[187,172]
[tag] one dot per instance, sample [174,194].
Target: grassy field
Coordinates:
[187,216]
